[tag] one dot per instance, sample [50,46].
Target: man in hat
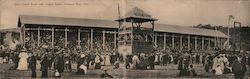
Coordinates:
[15,59]
[239,67]
[45,65]
[151,61]
[81,60]
[32,65]
[59,62]
[248,62]
[143,63]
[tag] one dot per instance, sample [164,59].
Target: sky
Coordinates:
[173,12]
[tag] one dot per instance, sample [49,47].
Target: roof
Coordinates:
[16,30]
[137,14]
[83,22]
[188,30]
[47,20]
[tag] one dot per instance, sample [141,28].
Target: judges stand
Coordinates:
[135,33]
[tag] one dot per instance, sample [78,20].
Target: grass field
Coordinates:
[169,71]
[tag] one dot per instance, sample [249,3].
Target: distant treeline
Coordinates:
[240,36]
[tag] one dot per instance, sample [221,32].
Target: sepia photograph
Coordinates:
[124,39]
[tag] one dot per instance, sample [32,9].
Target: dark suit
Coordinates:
[59,63]
[249,63]
[151,60]
[44,66]
[32,65]
[239,69]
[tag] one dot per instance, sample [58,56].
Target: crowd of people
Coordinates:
[60,60]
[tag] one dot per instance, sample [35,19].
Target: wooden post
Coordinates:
[209,43]
[66,38]
[164,39]
[24,30]
[79,38]
[215,42]
[180,42]
[21,34]
[219,42]
[115,40]
[173,41]
[52,38]
[91,39]
[38,36]
[202,44]
[103,39]
[188,42]
[195,44]
[156,39]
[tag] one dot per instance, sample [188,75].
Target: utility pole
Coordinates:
[239,23]
[228,29]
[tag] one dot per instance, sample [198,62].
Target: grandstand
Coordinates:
[92,33]
[96,34]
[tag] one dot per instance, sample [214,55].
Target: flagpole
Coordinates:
[228,29]
[119,13]
[228,25]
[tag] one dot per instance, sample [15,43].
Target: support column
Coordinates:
[66,38]
[180,42]
[215,42]
[114,40]
[195,45]
[91,39]
[173,41]
[88,37]
[219,42]
[52,37]
[79,38]
[24,41]
[103,39]
[202,43]
[38,37]
[156,39]
[164,39]
[188,42]
[209,43]
[21,34]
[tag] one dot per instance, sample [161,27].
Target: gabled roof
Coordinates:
[188,30]
[46,20]
[137,14]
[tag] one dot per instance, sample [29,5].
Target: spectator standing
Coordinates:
[32,65]
[249,62]
[239,67]
[152,61]
[59,62]
[44,66]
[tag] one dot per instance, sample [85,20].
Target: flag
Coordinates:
[119,14]
[226,45]
[231,17]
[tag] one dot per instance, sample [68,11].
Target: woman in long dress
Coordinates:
[23,63]
[98,61]
[107,60]
[218,66]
